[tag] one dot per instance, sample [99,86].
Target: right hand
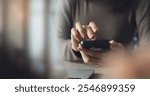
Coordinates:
[82,33]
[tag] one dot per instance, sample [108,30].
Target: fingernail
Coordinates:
[112,41]
[83,26]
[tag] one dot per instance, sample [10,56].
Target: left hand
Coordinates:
[97,57]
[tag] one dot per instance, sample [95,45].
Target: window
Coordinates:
[1,18]
[31,31]
[36,28]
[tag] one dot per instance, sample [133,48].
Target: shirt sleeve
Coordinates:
[64,22]
[142,15]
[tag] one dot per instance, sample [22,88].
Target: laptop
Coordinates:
[80,73]
[59,71]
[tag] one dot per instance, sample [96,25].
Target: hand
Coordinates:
[98,58]
[142,59]
[119,66]
[125,65]
[82,33]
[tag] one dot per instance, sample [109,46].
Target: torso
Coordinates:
[113,25]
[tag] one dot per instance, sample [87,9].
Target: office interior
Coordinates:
[26,37]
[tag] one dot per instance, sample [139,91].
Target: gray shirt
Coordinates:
[118,21]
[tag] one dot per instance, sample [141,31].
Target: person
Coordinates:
[117,20]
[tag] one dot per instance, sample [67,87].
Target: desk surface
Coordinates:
[75,65]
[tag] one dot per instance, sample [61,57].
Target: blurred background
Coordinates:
[28,43]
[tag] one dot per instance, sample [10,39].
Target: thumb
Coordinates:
[114,46]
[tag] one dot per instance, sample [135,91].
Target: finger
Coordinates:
[74,43]
[116,46]
[90,60]
[95,54]
[93,26]
[74,40]
[81,30]
[91,57]
[90,33]
[76,34]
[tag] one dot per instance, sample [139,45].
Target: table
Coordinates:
[79,65]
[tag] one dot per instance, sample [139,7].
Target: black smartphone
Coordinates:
[97,45]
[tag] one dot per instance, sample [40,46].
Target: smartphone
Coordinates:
[96,45]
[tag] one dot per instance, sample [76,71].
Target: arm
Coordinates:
[142,18]
[64,23]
